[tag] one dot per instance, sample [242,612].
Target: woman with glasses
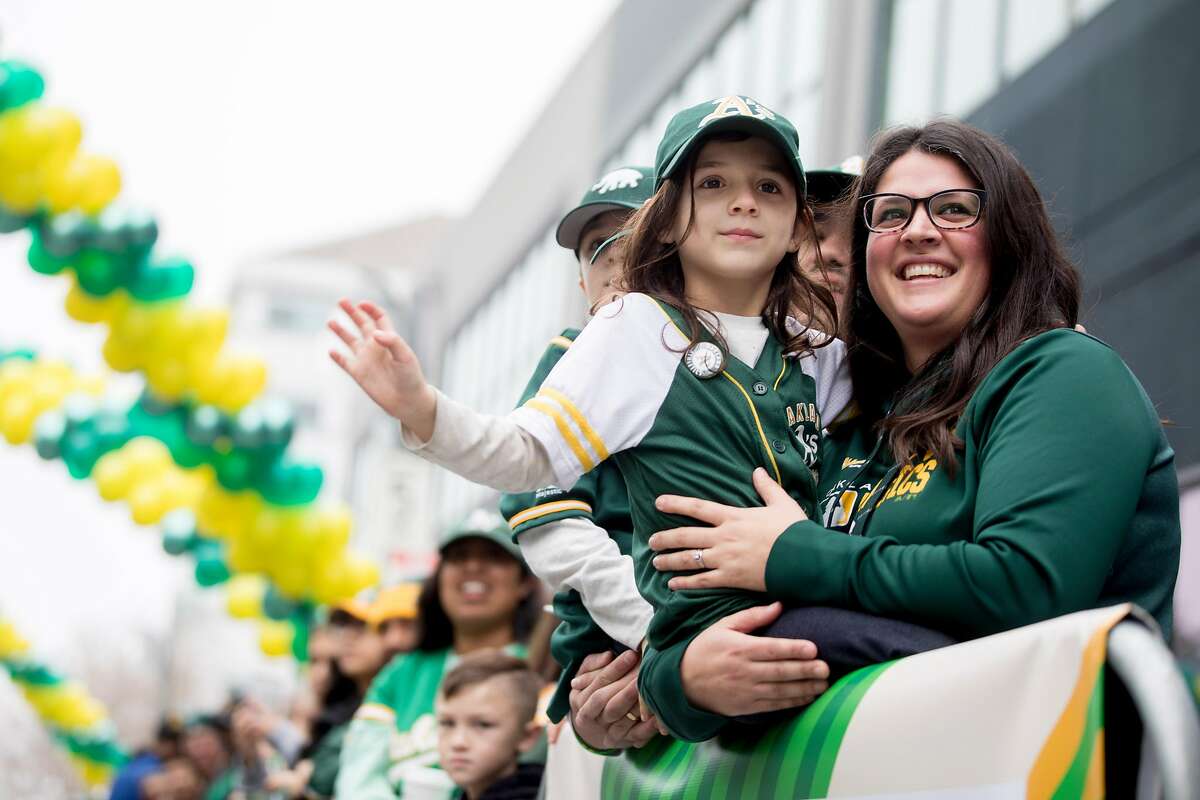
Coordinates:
[1001,467]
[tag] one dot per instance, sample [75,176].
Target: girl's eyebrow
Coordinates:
[766,166]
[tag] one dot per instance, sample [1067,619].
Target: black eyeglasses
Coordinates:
[951,210]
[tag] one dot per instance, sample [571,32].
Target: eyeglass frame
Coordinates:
[923,201]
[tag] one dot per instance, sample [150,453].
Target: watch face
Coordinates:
[704,360]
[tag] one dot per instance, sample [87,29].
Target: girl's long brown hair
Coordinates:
[653,267]
[1033,288]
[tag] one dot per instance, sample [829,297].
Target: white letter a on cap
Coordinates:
[734,106]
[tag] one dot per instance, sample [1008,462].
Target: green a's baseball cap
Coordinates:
[829,184]
[622,189]
[483,524]
[688,129]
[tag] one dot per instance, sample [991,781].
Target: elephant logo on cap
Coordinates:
[618,179]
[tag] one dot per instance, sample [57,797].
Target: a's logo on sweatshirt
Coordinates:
[912,479]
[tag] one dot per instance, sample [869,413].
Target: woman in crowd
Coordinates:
[481,597]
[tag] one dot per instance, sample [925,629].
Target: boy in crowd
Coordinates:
[485,716]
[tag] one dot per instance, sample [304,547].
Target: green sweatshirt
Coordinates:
[599,496]
[1065,498]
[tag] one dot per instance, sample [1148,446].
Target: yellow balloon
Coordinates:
[148,458]
[363,573]
[333,530]
[244,596]
[83,307]
[243,557]
[168,376]
[112,475]
[101,183]
[290,576]
[21,192]
[275,638]
[148,502]
[119,355]
[17,417]
[11,642]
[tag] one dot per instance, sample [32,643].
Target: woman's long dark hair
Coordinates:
[1033,288]
[437,632]
[652,267]
[338,705]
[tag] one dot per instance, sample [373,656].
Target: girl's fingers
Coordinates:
[340,359]
[377,314]
[365,324]
[343,334]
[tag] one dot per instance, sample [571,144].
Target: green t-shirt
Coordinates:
[599,496]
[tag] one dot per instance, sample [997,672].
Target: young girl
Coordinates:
[689,382]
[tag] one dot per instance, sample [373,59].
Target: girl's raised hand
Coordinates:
[386,368]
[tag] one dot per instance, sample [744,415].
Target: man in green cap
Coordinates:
[829,197]
[596,598]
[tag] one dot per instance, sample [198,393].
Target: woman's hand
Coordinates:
[385,367]
[734,551]
[728,671]
[604,703]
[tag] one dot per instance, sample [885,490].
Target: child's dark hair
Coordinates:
[653,267]
[523,684]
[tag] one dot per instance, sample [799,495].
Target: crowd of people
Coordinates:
[818,420]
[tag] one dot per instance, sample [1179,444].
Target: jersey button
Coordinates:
[760,388]
[779,445]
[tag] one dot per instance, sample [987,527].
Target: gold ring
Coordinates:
[632,717]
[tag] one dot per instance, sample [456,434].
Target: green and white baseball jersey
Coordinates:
[624,390]
[1065,498]
[599,496]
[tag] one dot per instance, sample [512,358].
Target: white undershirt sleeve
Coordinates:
[575,553]
[486,449]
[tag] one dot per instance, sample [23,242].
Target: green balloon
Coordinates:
[19,84]
[278,422]
[154,405]
[161,280]
[64,235]
[141,231]
[80,452]
[249,429]
[290,484]
[276,606]
[205,424]
[42,261]
[300,641]
[48,432]
[235,469]
[11,222]
[211,571]
[98,273]
[110,231]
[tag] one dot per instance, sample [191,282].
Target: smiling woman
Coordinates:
[481,597]
[1000,468]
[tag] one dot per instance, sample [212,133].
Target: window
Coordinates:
[970,62]
[1033,27]
[912,58]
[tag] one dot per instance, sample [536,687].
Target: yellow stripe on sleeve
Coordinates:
[761,433]
[588,431]
[545,509]
[561,341]
[565,431]
[376,712]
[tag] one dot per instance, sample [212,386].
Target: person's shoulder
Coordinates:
[1063,347]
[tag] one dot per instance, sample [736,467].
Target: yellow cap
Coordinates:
[359,608]
[396,602]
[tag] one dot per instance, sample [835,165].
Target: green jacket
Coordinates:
[599,496]
[1065,498]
